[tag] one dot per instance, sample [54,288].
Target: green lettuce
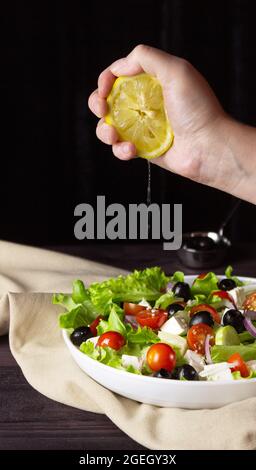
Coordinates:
[237,375]
[223,353]
[205,285]
[113,323]
[167,299]
[147,284]
[142,336]
[178,276]
[228,274]
[107,356]
[80,309]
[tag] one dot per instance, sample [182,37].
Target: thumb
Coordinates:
[146,59]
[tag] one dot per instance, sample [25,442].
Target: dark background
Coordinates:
[53,160]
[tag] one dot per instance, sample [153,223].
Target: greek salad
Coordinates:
[151,324]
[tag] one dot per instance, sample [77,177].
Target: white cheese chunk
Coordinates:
[223,375]
[252,365]
[215,369]
[239,294]
[93,340]
[144,303]
[176,325]
[134,361]
[195,360]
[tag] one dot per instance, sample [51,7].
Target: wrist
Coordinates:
[231,151]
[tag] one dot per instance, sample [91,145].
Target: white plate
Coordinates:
[164,392]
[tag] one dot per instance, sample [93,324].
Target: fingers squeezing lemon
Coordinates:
[136,110]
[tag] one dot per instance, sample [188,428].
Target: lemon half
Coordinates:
[136,109]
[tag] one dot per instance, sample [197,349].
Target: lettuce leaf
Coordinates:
[205,285]
[142,336]
[167,299]
[228,274]
[148,284]
[237,375]
[113,323]
[223,353]
[80,309]
[178,276]
[107,356]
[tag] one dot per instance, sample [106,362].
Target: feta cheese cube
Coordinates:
[176,325]
[195,360]
[93,340]
[134,361]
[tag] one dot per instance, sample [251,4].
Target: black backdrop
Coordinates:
[53,160]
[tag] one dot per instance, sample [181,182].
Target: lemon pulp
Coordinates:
[136,109]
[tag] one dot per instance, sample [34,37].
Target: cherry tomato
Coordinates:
[132,309]
[161,356]
[222,294]
[153,318]
[250,302]
[111,339]
[202,276]
[94,324]
[240,365]
[196,337]
[207,308]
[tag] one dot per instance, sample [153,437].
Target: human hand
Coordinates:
[201,128]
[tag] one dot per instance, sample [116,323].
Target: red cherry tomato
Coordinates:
[202,275]
[240,365]
[161,356]
[111,339]
[222,294]
[94,324]
[196,337]
[250,302]
[153,318]
[207,308]
[132,309]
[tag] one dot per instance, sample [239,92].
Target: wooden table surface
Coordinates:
[29,420]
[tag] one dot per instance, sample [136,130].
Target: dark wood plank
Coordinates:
[29,420]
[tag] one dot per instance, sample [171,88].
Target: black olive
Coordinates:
[173,308]
[234,318]
[81,334]
[226,284]
[163,374]
[201,317]
[182,289]
[185,372]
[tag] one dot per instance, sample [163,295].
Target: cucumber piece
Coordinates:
[227,336]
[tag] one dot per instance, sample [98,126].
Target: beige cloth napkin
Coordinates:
[38,347]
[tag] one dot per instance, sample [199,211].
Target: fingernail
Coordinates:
[127,148]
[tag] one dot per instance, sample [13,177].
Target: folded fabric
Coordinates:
[38,347]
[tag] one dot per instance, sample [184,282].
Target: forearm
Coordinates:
[235,159]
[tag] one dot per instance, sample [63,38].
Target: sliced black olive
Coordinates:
[182,289]
[185,372]
[226,284]
[81,334]
[163,374]
[173,308]
[202,317]
[234,318]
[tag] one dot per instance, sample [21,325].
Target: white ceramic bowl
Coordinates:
[164,392]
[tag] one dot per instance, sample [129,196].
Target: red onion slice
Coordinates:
[169,286]
[207,349]
[250,327]
[250,314]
